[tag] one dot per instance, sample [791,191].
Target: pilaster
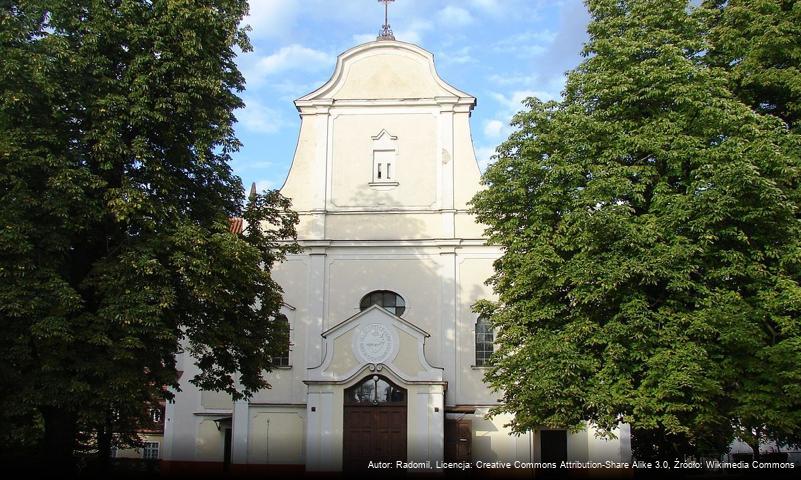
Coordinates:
[239,433]
[447,266]
[447,170]
[315,305]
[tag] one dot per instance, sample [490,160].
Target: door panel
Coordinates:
[373,433]
[458,440]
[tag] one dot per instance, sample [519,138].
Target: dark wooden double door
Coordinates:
[374,433]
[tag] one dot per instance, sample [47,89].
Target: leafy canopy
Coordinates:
[116,135]
[650,231]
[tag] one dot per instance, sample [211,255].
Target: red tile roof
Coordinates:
[236,225]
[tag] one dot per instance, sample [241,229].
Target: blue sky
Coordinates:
[500,51]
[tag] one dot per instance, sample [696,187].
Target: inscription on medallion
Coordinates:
[374,343]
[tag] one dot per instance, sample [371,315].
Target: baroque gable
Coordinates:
[384,71]
[378,341]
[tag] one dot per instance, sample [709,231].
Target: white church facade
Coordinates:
[387,357]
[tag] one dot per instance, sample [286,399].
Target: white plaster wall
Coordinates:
[324,432]
[602,449]
[413,276]
[474,267]
[585,446]
[309,225]
[578,446]
[384,226]
[405,362]
[209,441]
[466,226]
[425,423]
[492,441]
[412,272]
[344,360]
[180,422]
[415,167]
[286,383]
[303,167]
[466,175]
[215,400]
[388,73]
[276,435]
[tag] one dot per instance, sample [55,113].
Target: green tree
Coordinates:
[116,130]
[650,235]
[757,43]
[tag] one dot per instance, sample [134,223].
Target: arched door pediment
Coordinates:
[374,337]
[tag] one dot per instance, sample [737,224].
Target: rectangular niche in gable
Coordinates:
[385,160]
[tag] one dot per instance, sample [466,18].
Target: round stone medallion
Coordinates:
[374,343]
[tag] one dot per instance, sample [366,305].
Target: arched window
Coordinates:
[157,415]
[281,337]
[485,338]
[391,301]
[375,390]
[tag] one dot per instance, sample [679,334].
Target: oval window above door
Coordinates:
[390,301]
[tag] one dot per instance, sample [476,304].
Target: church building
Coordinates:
[386,358]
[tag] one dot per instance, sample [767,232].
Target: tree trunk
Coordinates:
[755,447]
[104,437]
[59,440]
[755,441]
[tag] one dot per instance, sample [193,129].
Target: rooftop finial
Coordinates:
[386,32]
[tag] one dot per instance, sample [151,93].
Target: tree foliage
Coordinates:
[116,134]
[756,41]
[650,231]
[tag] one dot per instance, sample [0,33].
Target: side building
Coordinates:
[151,435]
[386,356]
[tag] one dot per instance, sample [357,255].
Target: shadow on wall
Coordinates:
[421,277]
[412,272]
[385,221]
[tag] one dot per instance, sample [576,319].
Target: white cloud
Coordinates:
[409,36]
[526,44]
[528,9]
[513,102]
[492,128]
[414,32]
[489,5]
[510,104]
[459,56]
[259,118]
[454,16]
[265,184]
[291,57]
[513,79]
[571,33]
[269,18]
[360,38]
[410,31]
[292,90]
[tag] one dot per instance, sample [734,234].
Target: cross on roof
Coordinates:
[386,32]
